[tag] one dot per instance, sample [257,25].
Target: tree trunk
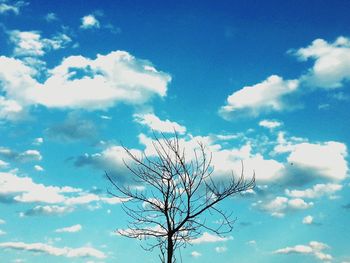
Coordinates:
[170,252]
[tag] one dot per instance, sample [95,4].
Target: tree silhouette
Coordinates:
[178,192]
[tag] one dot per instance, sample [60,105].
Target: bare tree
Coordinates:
[178,193]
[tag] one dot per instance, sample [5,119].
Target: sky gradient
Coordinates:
[265,82]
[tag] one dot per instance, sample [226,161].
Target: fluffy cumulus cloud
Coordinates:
[24,189]
[326,160]
[280,205]
[314,248]
[89,21]
[226,160]
[308,220]
[331,67]
[210,238]
[331,70]
[80,82]
[308,161]
[69,229]
[266,96]
[58,200]
[154,123]
[55,251]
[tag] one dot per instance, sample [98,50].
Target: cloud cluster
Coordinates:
[80,83]
[280,205]
[29,155]
[331,67]
[57,200]
[330,70]
[313,248]
[55,251]
[30,43]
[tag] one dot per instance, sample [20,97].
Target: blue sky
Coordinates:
[265,82]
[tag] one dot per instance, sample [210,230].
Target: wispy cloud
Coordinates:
[89,21]
[55,251]
[154,123]
[69,229]
[314,248]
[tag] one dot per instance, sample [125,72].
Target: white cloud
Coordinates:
[308,161]
[221,249]
[105,117]
[265,96]
[29,156]
[2,233]
[153,122]
[70,229]
[80,82]
[89,21]
[316,191]
[280,205]
[2,221]
[313,248]
[331,68]
[3,164]
[325,160]
[89,198]
[27,43]
[209,238]
[38,141]
[11,7]
[308,220]
[195,254]
[25,190]
[55,251]
[10,109]
[271,124]
[38,168]
[227,160]
[30,43]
